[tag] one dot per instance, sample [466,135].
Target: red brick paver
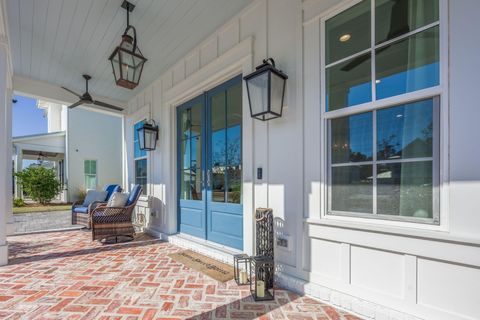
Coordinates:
[64,275]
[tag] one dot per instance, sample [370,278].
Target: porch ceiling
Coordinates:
[56,41]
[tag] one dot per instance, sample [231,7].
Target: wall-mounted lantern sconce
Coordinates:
[148,135]
[266,91]
[127,59]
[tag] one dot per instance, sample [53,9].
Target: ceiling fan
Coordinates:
[86,98]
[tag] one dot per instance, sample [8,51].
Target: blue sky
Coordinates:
[27,118]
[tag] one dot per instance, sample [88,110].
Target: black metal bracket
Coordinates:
[128,5]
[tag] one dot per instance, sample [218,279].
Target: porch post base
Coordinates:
[10,228]
[4,254]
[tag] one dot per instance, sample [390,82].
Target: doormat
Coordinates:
[215,269]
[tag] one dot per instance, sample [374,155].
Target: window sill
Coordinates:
[438,235]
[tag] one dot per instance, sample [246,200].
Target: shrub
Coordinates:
[82,193]
[41,184]
[18,202]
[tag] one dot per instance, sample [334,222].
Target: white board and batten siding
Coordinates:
[381,270]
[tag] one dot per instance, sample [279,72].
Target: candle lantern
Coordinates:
[261,278]
[241,268]
[264,231]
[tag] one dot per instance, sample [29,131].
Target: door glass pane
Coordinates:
[234,144]
[218,142]
[405,131]
[408,65]
[394,18]
[352,138]
[348,32]
[185,192]
[196,167]
[405,189]
[349,83]
[185,123]
[196,121]
[352,189]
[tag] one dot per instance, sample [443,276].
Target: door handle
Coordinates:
[203,179]
[209,180]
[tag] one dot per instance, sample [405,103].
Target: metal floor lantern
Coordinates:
[266,91]
[241,269]
[261,275]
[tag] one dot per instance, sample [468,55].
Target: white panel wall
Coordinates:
[93,136]
[381,270]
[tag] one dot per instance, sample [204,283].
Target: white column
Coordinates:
[18,165]
[5,156]
[8,128]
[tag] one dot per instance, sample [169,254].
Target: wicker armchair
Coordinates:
[110,222]
[81,214]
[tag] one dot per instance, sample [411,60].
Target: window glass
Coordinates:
[352,138]
[349,83]
[394,18]
[90,174]
[352,189]
[405,189]
[405,131]
[348,32]
[141,174]
[383,162]
[408,65]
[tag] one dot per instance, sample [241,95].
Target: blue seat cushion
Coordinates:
[111,189]
[80,209]
[137,189]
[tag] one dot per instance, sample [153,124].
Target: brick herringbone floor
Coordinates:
[64,275]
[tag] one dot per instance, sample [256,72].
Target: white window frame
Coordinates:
[440,92]
[85,174]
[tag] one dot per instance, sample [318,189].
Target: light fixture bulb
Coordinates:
[345,37]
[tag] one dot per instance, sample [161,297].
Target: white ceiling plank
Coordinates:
[76,27]
[51,29]
[40,14]
[13,9]
[69,10]
[58,40]
[79,57]
[26,34]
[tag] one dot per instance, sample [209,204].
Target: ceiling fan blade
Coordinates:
[76,104]
[106,105]
[72,92]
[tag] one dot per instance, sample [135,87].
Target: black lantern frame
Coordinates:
[262,271]
[241,263]
[127,49]
[268,103]
[150,129]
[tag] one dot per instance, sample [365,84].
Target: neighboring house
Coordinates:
[71,147]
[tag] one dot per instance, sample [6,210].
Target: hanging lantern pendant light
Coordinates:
[127,59]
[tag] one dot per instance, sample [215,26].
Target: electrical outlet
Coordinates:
[284,242]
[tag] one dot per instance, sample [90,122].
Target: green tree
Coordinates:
[41,184]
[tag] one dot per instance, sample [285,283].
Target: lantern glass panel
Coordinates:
[116,65]
[258,93]
[150,139]
[141,138]
[128,66]
[276,93]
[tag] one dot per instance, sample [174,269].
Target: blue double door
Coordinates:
[209,162]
